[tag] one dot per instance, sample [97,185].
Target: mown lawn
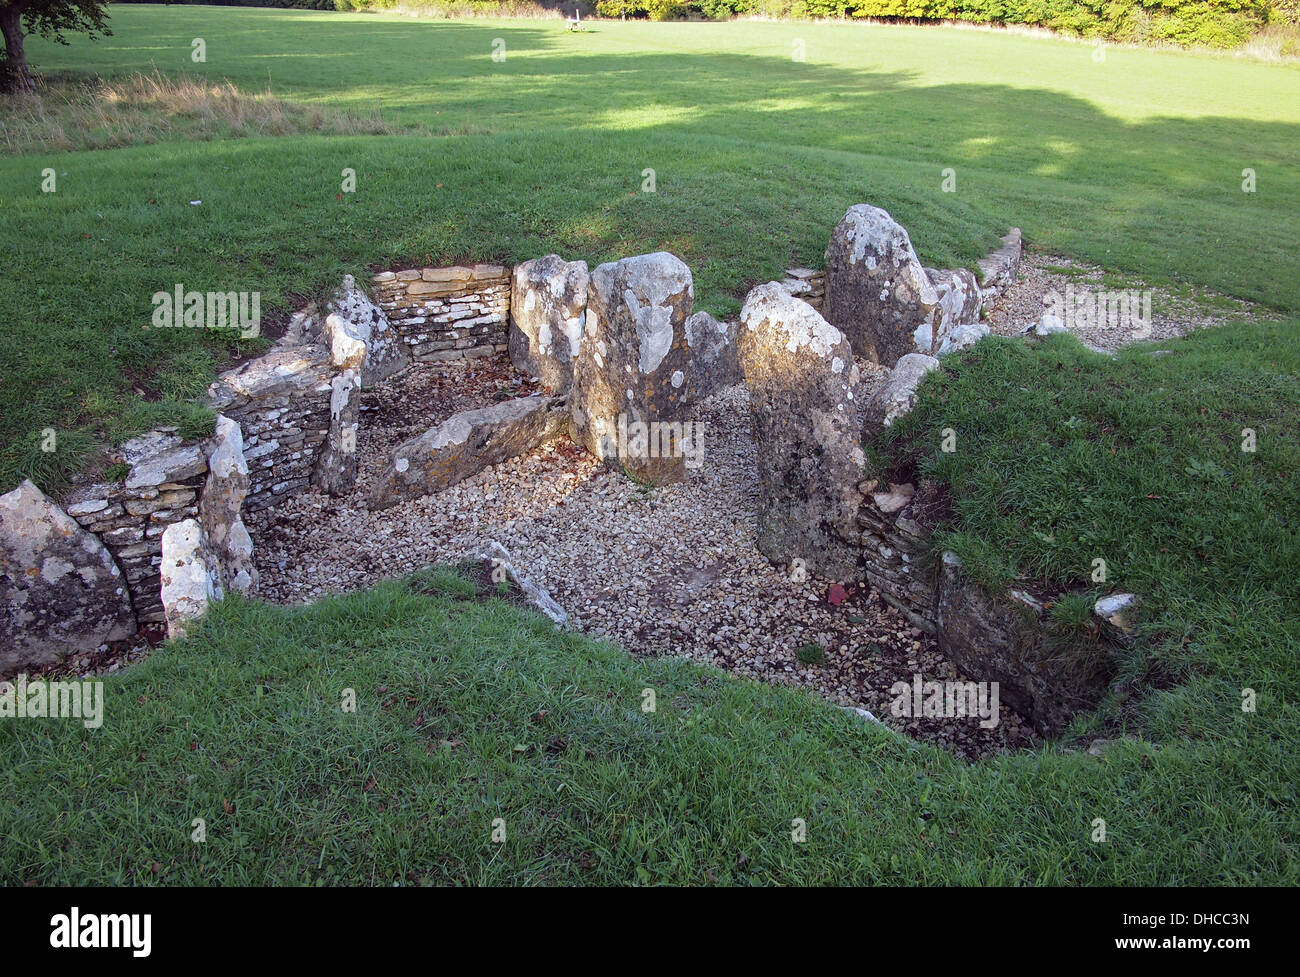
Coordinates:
[1134,163]
[468,713]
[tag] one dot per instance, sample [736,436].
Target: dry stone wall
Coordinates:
[447,313]
[130,517]
[281,402]
[287,417]
[895,555]
[806,284]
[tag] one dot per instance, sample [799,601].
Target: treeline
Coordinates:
[1216,23]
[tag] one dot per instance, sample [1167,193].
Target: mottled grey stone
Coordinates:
[806,414]
[464,445]
[877,292]
[548,312]
[60,590]
[633,367]
[897,395]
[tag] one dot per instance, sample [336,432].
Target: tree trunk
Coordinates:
[17,74]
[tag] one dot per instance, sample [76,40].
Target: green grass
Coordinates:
[468,712]
[1134,164]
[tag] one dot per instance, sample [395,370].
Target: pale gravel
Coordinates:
[665,571]
[1021,305]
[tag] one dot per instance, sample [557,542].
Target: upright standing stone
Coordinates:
[61,592]
[354,318]
[960,299]
[220,508]
[548,312]
[806,412]
[877,293]
[715,363]
[336,467]
[632,369]
[188,576]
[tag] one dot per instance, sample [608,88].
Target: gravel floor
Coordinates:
[668,571]
[1172,314]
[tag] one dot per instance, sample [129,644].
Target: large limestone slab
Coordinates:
[360,336]
[806,413]
[548,312]
[633,367]
[61,592]
[189,577]
[464,445]
[877,292]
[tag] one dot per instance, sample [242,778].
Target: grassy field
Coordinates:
[470,710]
[1134,163]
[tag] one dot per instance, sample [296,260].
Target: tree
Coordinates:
[45,18]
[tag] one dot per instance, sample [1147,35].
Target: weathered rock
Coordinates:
[60,589]
[159,457]
[897,395]
[548,311]
[499,558]
[221,509]
[715,362]
[999,269]
[896,498]
[1003,639]
[634,363]
[288,371]
[336,466]
[465,444]
[1119,613]
[188,575]
[1049,325]
[877,292]
[352,319]
[963,337]
[807,422]
[960,301]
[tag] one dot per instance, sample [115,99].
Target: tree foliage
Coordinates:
[1218,23]
[45,18]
